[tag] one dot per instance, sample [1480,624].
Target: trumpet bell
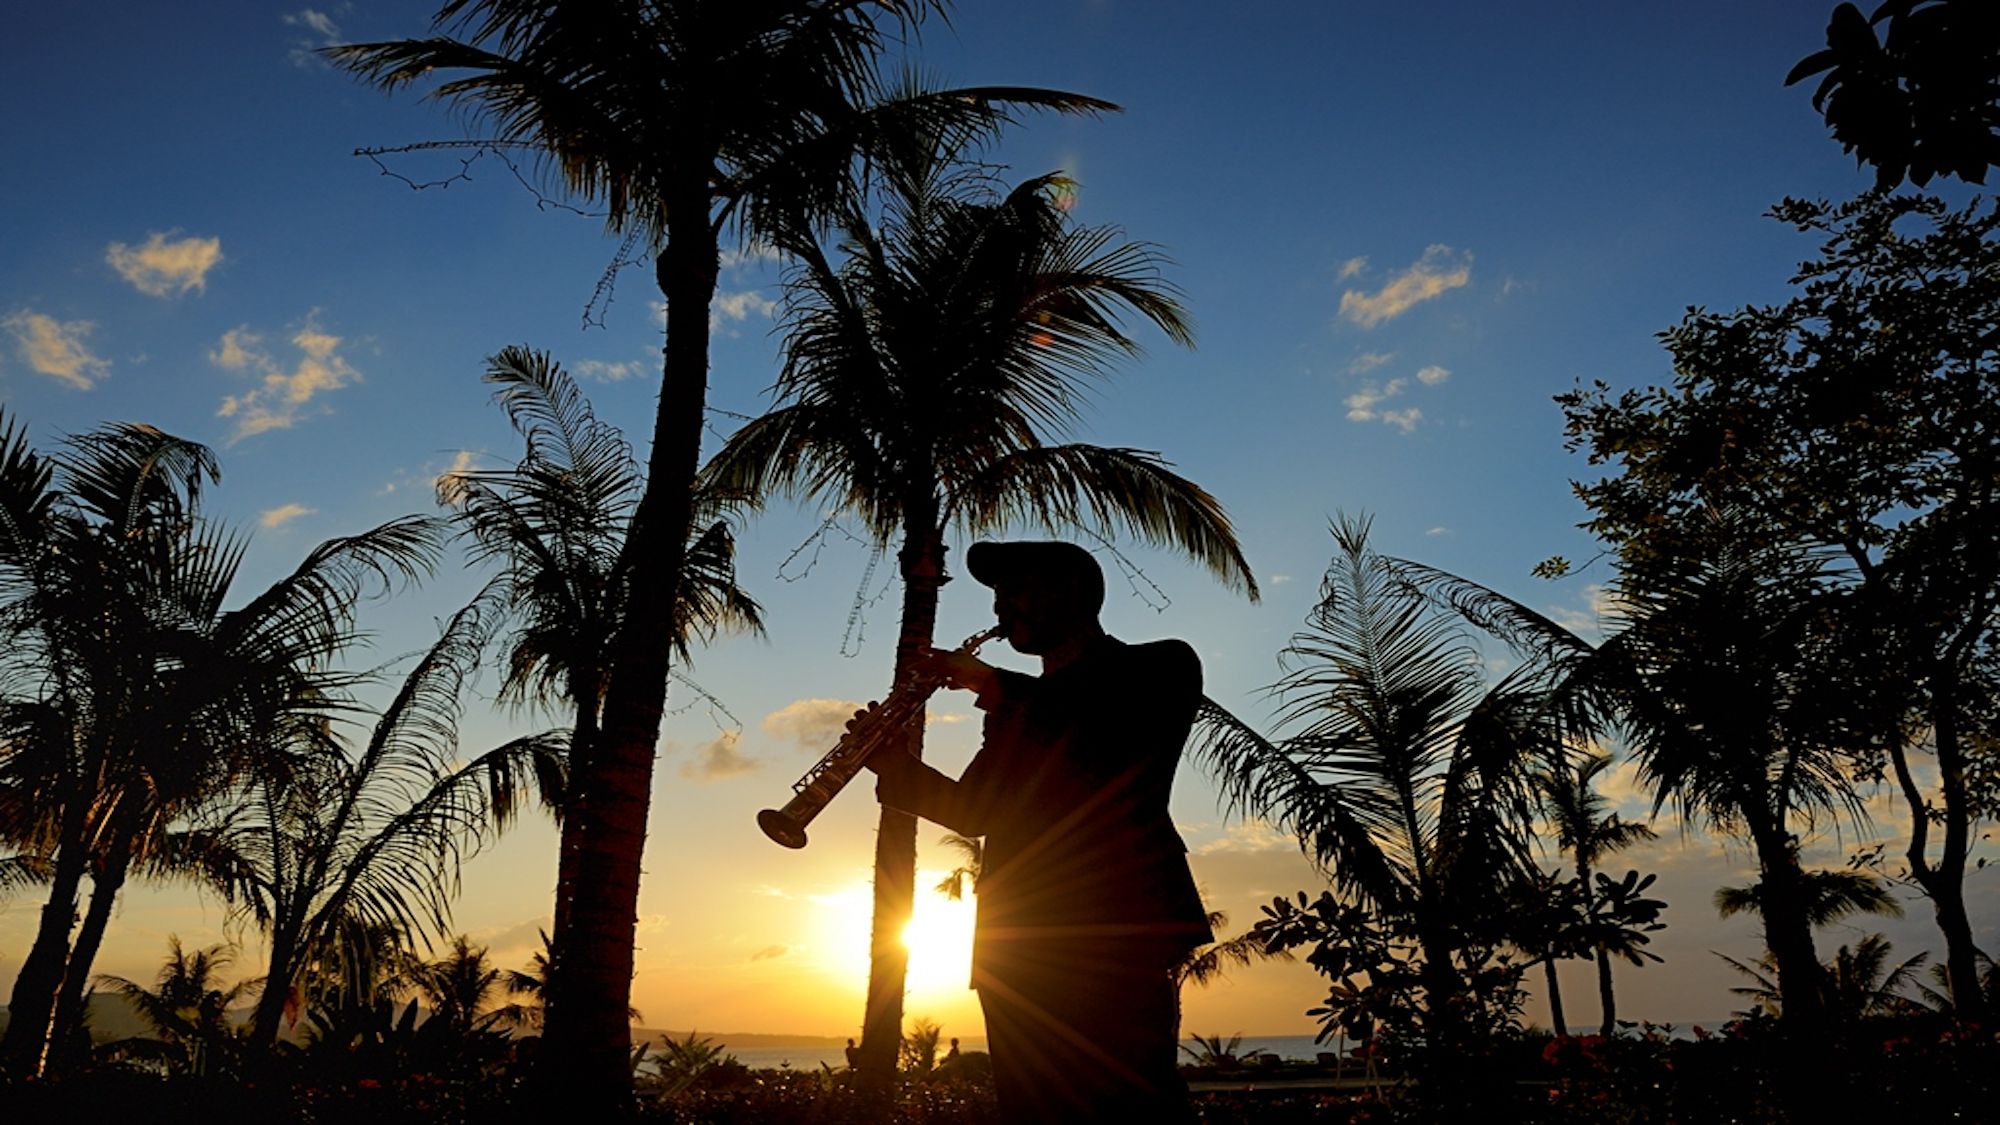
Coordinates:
[782,828]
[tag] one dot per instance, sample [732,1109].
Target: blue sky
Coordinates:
[1401,229]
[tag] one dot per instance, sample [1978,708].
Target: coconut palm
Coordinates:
[136,696]
[187,1011]
[1588,831]
[557,523]
[1829,897]
[926,370]
[1733,708]
[325,839]
[679,117]
[1404,772]
[1858,982]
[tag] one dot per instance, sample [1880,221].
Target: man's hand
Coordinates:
[959,670]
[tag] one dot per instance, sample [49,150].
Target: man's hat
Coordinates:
[1048,560]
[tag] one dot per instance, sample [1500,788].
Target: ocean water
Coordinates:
[1290,1047]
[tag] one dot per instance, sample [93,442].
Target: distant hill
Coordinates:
[110,1018]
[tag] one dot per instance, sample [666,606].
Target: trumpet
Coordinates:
[831,773]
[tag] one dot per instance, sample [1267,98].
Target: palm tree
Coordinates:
[1589,832]
[459,988]
[1829,897]
[1858,982]
[325,841]
[680,116]
[557,523]
[136,696]
[1732,710]
[924,372]
[1405,773]
[187,1010]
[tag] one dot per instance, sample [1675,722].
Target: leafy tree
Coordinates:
[680,117]
[925,371]
[1857,418]
[133,696]
[1922,99]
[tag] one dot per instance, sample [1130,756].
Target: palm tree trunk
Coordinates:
[586,1044]
[1788,929]
[31,1008]
[278,979]
[105,884]
[1555,997]
[921,561]
[583,738]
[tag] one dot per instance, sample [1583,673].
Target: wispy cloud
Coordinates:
[1439,271]
[1368,361]
[1433,375]
[159,268]
[284,391]
[1362,405]
[56,347]
[755,254]
[1352,267]
[1586,620]
[604,372]
[813,723]
[771,953]
[1254,835]
[321,32]
[279,517]
[718,758]
[1436,531]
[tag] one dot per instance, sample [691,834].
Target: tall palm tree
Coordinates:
[557,523]
[679,116]
[925,370]
[1404,774]
[144,696]
[324,840]
[1588,831]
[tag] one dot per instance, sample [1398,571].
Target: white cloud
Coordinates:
[1352,267]
[282,395]
[735,308]
[718,758]
[279,517]
[1439,271]
[1365,401]
[323,32]
[1279,579]
[612,372]
[813,723]
[1433,375]
[1368,361]
[461,463]
[1438,531]
[1405,420]
[56,347]
[755,254]
[159,268]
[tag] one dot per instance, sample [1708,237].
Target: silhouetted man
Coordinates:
[1085,899]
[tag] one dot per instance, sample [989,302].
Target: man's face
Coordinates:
[1037,615]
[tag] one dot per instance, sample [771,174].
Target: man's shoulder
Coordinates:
[1167,656]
